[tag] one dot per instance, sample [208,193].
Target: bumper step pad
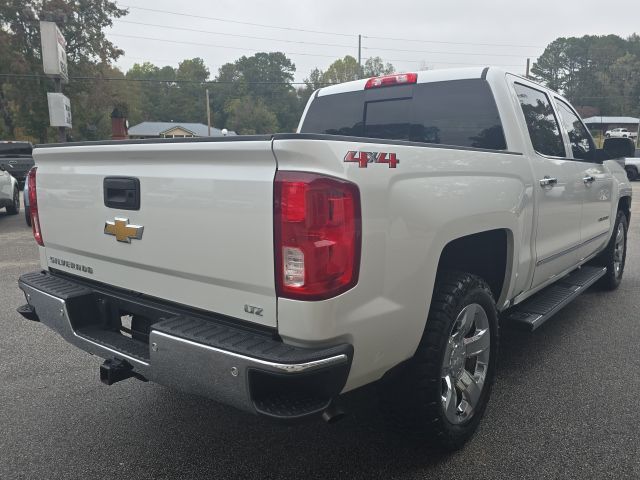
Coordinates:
[242,342]
[537,309]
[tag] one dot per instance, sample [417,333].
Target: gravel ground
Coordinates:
[565,406]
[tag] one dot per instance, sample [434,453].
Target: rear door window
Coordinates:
[541,121]
[458,112]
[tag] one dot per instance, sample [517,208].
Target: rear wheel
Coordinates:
[441,394]
[615,255]
[14,208]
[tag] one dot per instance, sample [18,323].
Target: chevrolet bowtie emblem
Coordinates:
[122,230]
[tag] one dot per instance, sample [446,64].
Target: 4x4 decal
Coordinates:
[363,159]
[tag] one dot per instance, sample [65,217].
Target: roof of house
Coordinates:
[156,129]
[600,119]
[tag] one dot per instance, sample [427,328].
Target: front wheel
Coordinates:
[441,394]
[614,255]
[14,208]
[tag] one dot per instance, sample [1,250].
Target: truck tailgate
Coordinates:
[206,209]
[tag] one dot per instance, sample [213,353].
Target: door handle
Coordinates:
[548,182]
[589,179]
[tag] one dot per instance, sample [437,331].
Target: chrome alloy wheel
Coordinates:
[465,364]
[618,250]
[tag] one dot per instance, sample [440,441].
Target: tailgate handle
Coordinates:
[122,193]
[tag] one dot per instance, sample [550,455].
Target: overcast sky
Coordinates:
[438,34]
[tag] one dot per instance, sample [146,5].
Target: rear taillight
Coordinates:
[317,235]
[389,80]
[33,206]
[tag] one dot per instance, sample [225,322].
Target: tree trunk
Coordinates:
[6,114]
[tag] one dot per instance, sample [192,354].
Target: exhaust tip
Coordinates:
[333,413]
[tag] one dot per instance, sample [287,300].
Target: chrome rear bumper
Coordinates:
[208,356]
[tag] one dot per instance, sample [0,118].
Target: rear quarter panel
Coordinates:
[409,214]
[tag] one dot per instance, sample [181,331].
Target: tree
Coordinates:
[590,71]
[342,70]
[312,83]
[264,76]
[621,84]
[374,67]
[249,115]
[188,97]
[88,53]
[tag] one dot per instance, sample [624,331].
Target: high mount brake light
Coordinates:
[390,80]
[33,207]
[317,225]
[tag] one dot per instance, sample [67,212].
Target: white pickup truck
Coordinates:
[380,243]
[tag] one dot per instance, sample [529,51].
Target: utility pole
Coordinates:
[208,114]
[359,56]
[528,65]
[62,134]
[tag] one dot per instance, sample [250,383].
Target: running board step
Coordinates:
[539,308]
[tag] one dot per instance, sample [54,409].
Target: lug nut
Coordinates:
[234,371]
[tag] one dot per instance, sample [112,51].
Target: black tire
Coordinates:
[14,208]
[612,258]
[607,136]
[413,398]
[27,215]
[632,172]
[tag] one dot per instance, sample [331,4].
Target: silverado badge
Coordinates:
[122,230]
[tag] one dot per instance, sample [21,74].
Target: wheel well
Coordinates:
[624,204]
[483,254]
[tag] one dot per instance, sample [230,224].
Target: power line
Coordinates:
[446,53]
[36,76]
[436,62]
[351,35]
[455,43]
[218,19]
[182,42]
[215,46]
[171,27]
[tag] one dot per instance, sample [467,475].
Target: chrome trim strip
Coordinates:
[285,367]
[569,250]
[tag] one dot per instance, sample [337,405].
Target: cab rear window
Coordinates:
[15,148]
[458,112]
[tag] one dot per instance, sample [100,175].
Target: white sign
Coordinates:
[54,55]
[59,110]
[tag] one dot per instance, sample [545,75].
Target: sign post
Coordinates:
[54,63]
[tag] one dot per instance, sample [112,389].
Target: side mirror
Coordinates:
[616,148]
